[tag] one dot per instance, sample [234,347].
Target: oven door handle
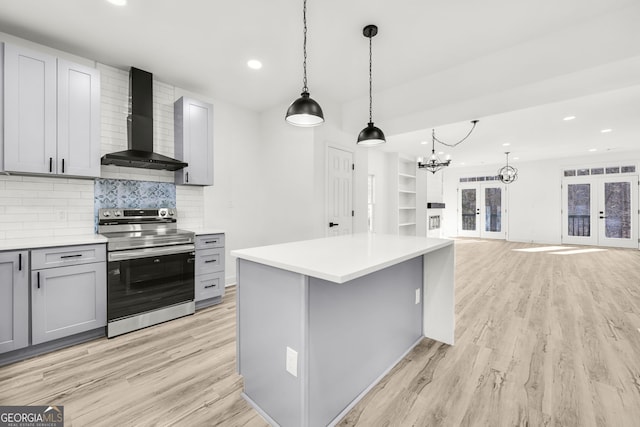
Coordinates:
[150,252]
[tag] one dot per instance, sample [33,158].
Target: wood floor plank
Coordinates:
[541,340]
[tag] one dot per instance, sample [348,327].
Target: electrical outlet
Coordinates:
[418,296]
[292,361]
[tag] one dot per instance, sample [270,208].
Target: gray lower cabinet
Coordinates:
[209,269]
[68,291]
[14,300]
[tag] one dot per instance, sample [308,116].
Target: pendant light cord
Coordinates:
[370,83]
[304,47]
[473,122]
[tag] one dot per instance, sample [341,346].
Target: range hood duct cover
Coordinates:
[140,129]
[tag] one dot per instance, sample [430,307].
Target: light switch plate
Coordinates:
[417,296]
[292,361]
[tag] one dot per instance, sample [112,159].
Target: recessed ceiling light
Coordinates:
[118,2]
[566,119]
[606,130]
[424,142]
[462,163]
[506,144]
[593,149]
[254,64]
[516,158]
[440,153]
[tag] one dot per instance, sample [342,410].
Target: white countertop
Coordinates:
[50,242]
[342,258]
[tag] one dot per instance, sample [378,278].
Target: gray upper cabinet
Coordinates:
[14,300]
[67,299]
[51,115]
[193,136]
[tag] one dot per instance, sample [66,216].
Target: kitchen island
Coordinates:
[320,322]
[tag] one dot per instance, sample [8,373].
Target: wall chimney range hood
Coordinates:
[140,129]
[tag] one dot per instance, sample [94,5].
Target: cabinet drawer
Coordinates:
[67,255]
[208,241]
[209,261]
[209,286]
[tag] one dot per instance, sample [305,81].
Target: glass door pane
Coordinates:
[493,209]
[468,211]
[617,210]
[579,210]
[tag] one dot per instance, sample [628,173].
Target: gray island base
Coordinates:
[320,322]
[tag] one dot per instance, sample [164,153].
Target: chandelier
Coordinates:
[507,174]
[433,164]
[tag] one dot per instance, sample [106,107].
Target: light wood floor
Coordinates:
[541,339]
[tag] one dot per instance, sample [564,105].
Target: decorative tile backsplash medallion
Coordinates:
[121,193]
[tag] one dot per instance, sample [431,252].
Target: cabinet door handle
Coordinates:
[71,256]
[209,286]
[210,241]
[62,165]
[211,260]
[333,224]
[50,164]
[19,262]
[38,275]
[187,175]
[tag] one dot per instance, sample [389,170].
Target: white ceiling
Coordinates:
[435,63]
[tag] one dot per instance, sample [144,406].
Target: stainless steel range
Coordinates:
[150,268]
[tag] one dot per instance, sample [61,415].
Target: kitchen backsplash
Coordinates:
[121,193]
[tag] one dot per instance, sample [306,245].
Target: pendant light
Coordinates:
[304,111]
[507,174]
[370,135]
[434,164]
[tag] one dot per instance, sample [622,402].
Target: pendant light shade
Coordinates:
[304,111]
[371,135]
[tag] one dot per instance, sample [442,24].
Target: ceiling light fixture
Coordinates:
[304,111]
[568,118]
[254,64]
[593,150]
[506,144]
[507,174]
[606,130]
[118,2]
[370,135]
[434,164]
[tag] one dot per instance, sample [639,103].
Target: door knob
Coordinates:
[333,224]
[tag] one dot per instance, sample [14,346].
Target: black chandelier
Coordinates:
[304,111]
[507,174]
[371,135]
[434,164]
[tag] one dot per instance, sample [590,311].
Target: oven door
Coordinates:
[141,280]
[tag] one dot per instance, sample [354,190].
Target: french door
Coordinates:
[600,211]
[481,210]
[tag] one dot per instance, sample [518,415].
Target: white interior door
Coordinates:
[600,211]
[340,192]
[481,210]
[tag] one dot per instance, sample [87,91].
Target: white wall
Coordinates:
[378,166]
[534,201]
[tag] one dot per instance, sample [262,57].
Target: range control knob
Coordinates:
[162,212]
[106,214]
[171,212]
[117,213]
